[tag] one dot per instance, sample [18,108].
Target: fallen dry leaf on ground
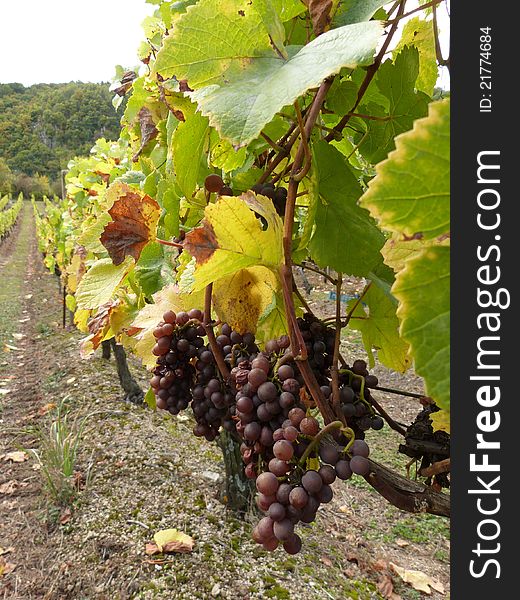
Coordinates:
[170,540]
[43,410]
[8,487]
[6,567]
[17,456]
[418,580]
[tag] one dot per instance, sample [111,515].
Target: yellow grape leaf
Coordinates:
[418,580]
[100,282]
[441,420]
[172,540]
[241,298]
[397,251]
[232,238]
[80,319]
[143,348]
[75,271]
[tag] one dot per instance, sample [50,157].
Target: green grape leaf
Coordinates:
[241,108]
[423,291]
[231,238]
[396,81]
[419,33]
[224,156]
[234,34]
[379,327]
[100,282]
[342,96]
[356,11]
[410,193]
[273,323]
[188,144]
[148,268]
[346,237]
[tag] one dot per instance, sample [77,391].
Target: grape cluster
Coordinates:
[213,400]
[319,341]
[277,195]
[178,339]
[266,403]
[355,397]
[289,492]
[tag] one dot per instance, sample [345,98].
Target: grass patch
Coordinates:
[58,446]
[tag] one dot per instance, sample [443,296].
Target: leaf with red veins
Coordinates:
[135,218]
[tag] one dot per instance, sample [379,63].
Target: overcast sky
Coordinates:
[57,41]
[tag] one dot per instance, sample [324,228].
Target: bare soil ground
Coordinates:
[139,471]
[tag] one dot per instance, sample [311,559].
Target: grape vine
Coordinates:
[180,239]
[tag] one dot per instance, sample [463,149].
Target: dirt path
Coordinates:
[140,471]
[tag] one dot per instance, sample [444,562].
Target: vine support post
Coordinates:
[133,391]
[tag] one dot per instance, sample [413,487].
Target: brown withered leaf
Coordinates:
[135,217]
[385,586]
[201,242]
[65,516]
[148,129]
[319,11]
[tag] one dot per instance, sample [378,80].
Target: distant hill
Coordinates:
[44,125]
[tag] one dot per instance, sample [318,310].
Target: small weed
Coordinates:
[44,330]
[57,456]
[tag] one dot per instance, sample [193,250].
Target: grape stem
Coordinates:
[215,348]
[317,438]
[336,404]
[399,392]
[391,423]
[297,343]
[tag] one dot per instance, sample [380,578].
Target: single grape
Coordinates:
[298,497]
[278,467]
[283,450]
[360,465]
[256,377]
[267,483]
[293,544]
[377,423]
[360,448]
[312,482]
[283,530]
[327,474]
[285,372]
[325,494]
[213,183]
[343,470]
[309,426]
[276,511]
[267,391]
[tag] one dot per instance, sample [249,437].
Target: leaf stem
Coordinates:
[371,71]
[167,243]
